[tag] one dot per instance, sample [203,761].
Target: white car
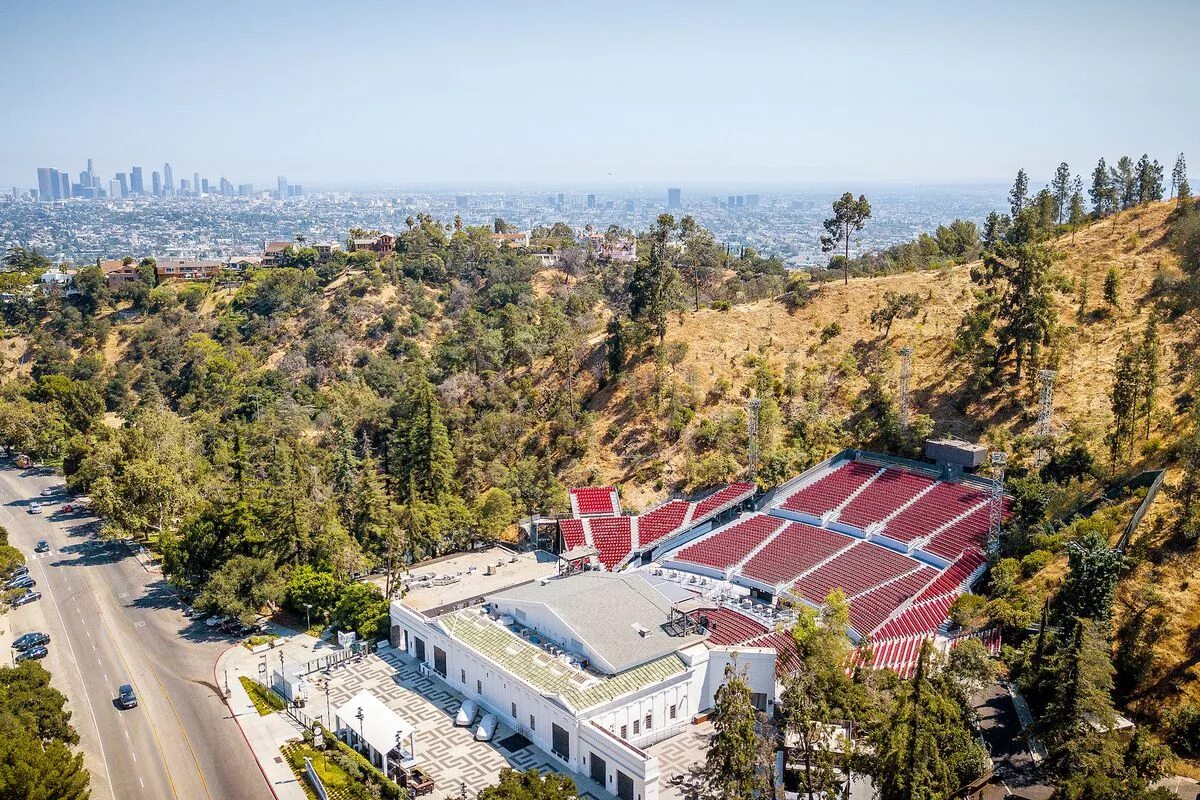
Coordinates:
[215,620]
[467,713]
[47,492]
[486,729]
[35,508]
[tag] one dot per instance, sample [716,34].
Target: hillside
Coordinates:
[717,347]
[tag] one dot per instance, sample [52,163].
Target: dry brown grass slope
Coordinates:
[717,344]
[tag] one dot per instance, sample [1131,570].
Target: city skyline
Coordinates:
[770,92]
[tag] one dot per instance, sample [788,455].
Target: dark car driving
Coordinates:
[126,697]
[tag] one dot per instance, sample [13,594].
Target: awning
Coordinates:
[379,724]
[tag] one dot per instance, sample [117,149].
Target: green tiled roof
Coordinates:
[582,690]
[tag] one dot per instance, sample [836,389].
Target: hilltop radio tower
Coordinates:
[996,501]
[752,429]
[1045,412]
[905,374]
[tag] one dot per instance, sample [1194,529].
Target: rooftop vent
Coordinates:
[642,630]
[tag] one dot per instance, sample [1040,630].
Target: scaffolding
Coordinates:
[999,460]
[1045,414]
[752,414]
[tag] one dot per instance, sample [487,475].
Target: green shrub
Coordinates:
[1033,563]
[265,701]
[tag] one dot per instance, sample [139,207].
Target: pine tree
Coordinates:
[1102,190]
[1060,188]
[849,217]
[1148,359]
[1126,391]
[1076,213]
[1083,681]
[1178,177]
[1018,196]
[1112,287]
[654,285]
[1124,179]
[731,762]
[420,454]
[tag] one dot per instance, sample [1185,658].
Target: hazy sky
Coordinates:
[572,93]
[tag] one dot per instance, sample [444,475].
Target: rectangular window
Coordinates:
[649,721]
[624,732]
[532,723]
[478,686]
[672,712]
[462,676]
[514,710]
[637,727]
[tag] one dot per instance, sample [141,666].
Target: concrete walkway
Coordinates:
[266,735]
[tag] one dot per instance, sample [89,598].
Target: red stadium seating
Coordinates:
[870,610]
[730,545]
[932,510]
[924,618]
[831,490]
[898,655]
[883,496]
[955,577]
[727,627]
[787,657]
[613,537]
[863,566]
[795,550]
[969,533]
[594,501]
[572,531]
[721,499]
[661,522]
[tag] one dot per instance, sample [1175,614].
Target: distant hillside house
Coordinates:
[622,249]
[272,251]
[58,281]
[243,263]
[183,269]
[512,239]
[117,273]
[384,244]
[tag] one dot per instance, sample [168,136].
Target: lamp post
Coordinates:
[308,616]
[359,717]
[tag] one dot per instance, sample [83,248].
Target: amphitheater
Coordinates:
[625,643]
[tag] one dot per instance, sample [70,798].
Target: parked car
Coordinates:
[25,581]
[35,508]
[67,509]
[214,620]
[126,697]
[23,461]
[29,596]
[33,653]
[31,639]
[487,728]
[47,492]
[42,546]
[467,713]
[18,571]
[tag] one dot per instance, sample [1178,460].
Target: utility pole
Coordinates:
[905,375]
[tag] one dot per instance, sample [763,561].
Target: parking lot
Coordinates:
[451,754]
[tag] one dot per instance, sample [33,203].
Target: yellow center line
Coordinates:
[178,721]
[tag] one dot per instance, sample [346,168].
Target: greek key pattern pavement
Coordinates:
[450,753]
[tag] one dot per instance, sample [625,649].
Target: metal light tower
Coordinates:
[1045,412]
[752,429]
[905,375]
[996,502]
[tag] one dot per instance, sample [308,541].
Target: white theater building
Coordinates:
[591,667]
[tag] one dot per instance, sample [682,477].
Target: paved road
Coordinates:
[113,622]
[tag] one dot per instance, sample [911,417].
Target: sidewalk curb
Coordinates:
[245,738]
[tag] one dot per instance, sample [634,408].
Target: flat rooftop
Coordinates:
[510,569]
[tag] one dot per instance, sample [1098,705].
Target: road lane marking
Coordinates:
[153,728]
[108,775]
[134,754]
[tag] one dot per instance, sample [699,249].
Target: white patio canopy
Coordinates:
[380,727]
